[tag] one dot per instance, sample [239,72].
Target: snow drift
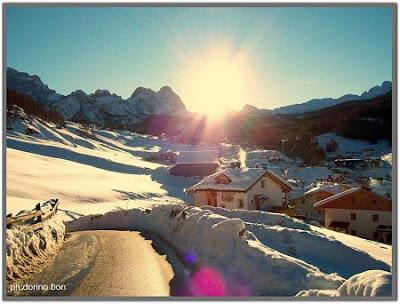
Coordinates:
[371,283]
[219,248]
[28,252]
[296,238]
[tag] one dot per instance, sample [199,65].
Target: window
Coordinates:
[375,218]
[374,202]
[353,232]
[353,216]
[241,203]
[303,201]
[262,183]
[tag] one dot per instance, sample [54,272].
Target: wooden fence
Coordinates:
[33,220]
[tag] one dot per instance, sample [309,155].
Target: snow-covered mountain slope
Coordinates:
[317,104]
[106,168]
[100,107]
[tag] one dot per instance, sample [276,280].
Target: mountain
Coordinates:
[30,85]
[100,107]
[254,111]
[318,104]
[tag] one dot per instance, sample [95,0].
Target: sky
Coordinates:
[264,56]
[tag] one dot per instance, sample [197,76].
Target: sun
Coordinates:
[217,83]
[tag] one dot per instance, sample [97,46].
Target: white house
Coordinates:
[241,188]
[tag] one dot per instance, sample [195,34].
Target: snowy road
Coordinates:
[112,263]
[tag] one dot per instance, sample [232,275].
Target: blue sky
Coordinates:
[291,54]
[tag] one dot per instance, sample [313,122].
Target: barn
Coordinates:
[195,163]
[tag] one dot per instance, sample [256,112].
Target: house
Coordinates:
[241,188]
[304,204]
[195,163]
[358,211]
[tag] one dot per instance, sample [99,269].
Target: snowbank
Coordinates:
[28,252]
[316,249]
[261,217]
[221,249]
[371,283]
[296,238]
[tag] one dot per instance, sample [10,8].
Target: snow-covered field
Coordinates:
[270,254]
[88,175]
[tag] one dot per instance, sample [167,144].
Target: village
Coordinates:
[351,194]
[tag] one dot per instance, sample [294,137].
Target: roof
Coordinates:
[323,203]
[332,188]
[241,180]
[197,157]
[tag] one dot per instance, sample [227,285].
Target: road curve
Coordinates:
[110,263]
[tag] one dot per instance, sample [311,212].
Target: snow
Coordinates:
[381,187]
[333,188]
[241,179]
[85,173]
[28,252]
[109,172]
[308,175]
[247,268]
[387,158]
[311,244]
[356,147]
[372,283]
[197,157]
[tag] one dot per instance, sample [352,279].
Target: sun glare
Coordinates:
[217,83]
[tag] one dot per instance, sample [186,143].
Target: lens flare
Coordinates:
[207,282]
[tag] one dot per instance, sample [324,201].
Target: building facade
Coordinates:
[238,188]
[358,211]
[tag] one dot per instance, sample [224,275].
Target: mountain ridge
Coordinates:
[103,107]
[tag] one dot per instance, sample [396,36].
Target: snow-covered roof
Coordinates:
[198,157]
[241,179]
[333,188]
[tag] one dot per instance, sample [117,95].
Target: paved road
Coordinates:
[113,263]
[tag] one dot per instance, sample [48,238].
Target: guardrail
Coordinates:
[34,219]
